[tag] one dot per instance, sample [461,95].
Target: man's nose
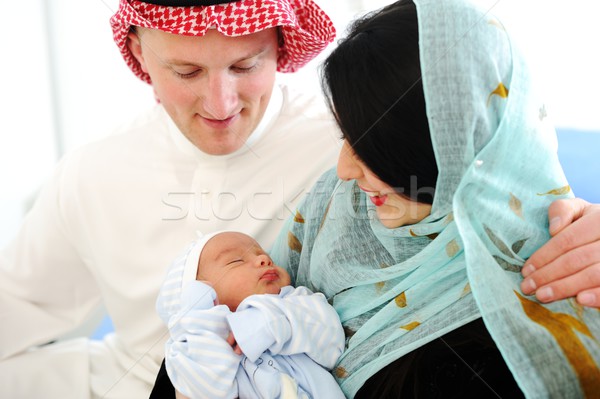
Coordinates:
[220,99]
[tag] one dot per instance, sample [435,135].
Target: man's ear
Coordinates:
[135,46]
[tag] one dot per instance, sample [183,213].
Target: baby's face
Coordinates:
[238,267]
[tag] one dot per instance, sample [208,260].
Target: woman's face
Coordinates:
[393,209]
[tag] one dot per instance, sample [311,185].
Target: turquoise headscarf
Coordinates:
[397,289]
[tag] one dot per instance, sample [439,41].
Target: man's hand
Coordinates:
[569,263]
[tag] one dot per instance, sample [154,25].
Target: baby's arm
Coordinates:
[199,360]
[296,321]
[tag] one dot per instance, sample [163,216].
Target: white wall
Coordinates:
[27,141]
[64,82]
[560,41]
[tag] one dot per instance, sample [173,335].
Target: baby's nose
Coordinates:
[263,260]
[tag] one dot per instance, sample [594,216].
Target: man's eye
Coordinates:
[244,69]
[186,75]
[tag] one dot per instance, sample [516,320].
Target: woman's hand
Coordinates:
[569,263]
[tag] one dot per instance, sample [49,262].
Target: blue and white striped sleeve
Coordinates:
[293,322]
[199,361]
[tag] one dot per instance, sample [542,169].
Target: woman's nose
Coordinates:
[263,260]
[220,99]
[348,166]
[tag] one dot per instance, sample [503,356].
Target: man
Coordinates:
[225,148]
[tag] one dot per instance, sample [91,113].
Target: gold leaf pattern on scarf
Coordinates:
[496,23]
[509,267]
[466,290]
[497,241]
[558,191]
[324,216]
[576,307]
[401,300]
[562,326]
[518,245]
[384,265]
[452,249]
[348,332]
[340,372]
[543,113]
[449,218]
[411,326]
[379,286]
[515,205]
[500,90]
[431,236]
[298,218]
[294,243]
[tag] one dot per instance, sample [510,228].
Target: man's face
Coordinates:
[215,88]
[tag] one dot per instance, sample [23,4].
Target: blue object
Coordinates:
[578,152]
[104,328]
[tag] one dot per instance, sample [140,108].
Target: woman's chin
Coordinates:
[389,221]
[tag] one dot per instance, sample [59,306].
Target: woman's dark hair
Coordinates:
[372,82]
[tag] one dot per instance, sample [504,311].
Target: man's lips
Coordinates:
[219,123]
[376,198]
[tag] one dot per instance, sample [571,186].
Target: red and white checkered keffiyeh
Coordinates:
[305,27]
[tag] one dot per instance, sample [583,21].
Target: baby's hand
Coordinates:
[234,345]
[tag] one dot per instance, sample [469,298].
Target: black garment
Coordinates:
[163,388]
[438,370]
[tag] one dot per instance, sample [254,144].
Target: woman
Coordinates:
[447,171]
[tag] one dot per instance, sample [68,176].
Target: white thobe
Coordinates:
[110,221]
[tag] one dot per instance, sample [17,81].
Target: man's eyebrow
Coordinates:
[252,54]
[183,63]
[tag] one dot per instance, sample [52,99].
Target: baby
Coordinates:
[239,329]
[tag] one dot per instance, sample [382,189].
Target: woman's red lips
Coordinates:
[375,196]
[378,200]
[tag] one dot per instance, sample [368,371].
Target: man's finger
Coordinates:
[587,280]
[571,263]
[581,232]
[589,298]
[562,212]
